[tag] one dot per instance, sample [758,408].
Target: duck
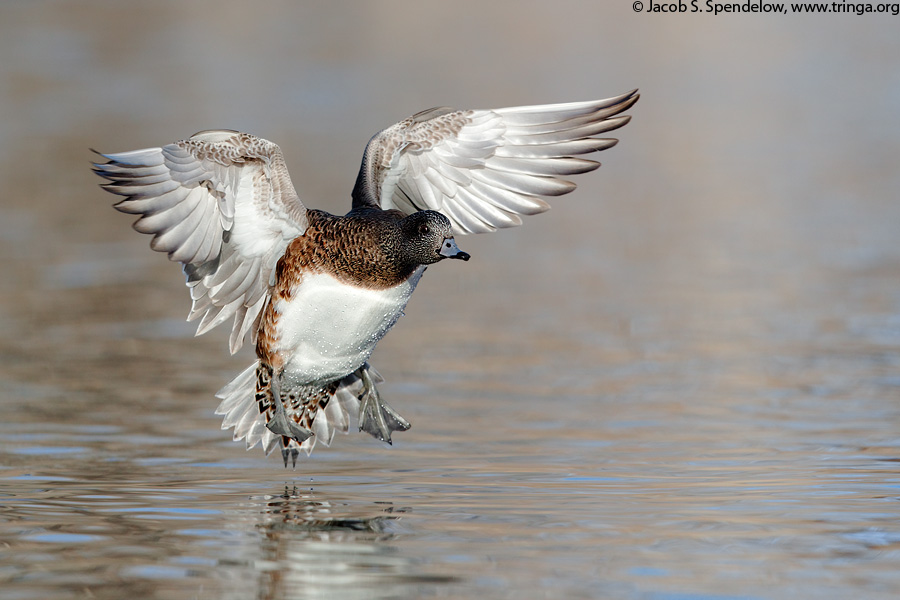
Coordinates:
[314,292]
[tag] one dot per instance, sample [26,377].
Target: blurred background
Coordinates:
[681,382]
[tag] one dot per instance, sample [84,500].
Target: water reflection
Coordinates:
[314,548]
[293,511]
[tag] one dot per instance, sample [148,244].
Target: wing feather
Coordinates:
[562,149]
[222,204]
[524,184]
[484,169]
[443,184]
[487,212]
[520,204]
[530,166]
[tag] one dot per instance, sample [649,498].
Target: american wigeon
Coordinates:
[315,291]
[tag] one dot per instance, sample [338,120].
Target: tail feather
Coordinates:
[269,441]
[237,403]
[259,434]
[241,411]
[233,393]
[323,429]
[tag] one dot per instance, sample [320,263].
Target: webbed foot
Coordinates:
[291,452]
[376,417]
[279,424]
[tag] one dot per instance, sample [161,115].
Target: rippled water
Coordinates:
[680,383]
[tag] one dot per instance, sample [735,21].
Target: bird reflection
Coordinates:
[316,548]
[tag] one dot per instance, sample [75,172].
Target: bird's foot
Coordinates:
[291,452]
[376,417]
[279,424]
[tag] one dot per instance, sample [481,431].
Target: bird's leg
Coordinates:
[280,424]
[290,452]
[376,417]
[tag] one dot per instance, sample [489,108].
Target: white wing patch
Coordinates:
[222,204]
[484,169]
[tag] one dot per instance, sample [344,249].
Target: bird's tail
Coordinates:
[246,405]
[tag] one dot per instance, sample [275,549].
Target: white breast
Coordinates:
[329,328]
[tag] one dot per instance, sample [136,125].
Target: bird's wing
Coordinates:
[222,204]
[483,169]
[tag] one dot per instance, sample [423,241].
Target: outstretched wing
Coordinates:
[222,204]
[483,169]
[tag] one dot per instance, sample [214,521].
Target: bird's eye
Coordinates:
[423,229]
